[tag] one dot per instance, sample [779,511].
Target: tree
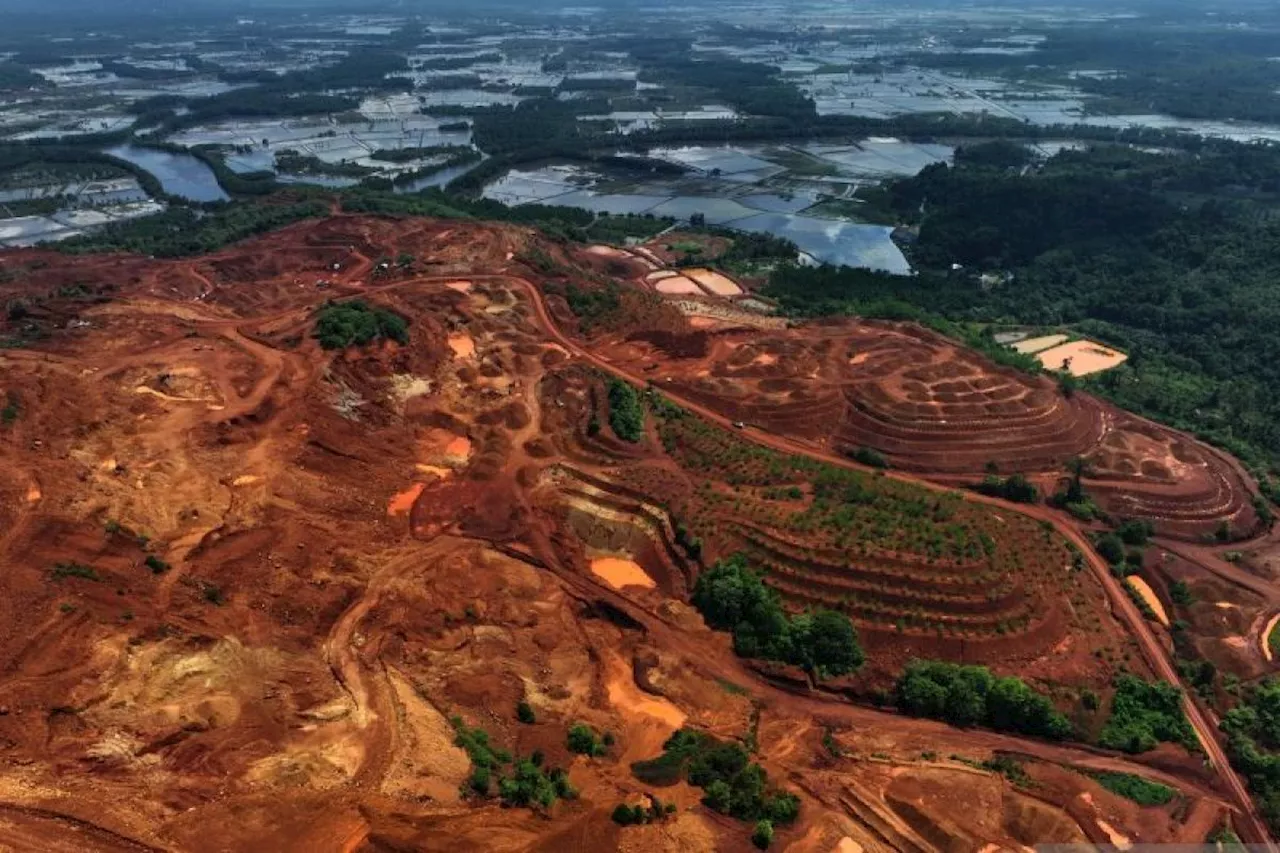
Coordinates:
[762,837]
[524,712]
[583,741]
[1111,548]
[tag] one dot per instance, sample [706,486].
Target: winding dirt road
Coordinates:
[1249,823]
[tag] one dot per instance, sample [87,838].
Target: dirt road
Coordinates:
[1248,822]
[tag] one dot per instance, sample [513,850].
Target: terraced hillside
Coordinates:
[929,406]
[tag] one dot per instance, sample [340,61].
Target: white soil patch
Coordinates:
[462,344]
[660,275]
[1082,358]
[678,285]
[619,572]
[1034,345]
[714,282]
[1149,596]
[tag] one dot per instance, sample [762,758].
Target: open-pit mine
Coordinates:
[260,595]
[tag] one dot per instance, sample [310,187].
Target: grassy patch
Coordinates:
[74,570]
[1144,792]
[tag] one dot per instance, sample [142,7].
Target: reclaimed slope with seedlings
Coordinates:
[412,593]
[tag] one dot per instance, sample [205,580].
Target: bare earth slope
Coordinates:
[247,583]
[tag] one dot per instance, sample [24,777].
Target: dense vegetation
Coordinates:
[971,696]
[1253,742]
[626,413]
[731,597]
[731,782]
[344,324]
[1146,714]
[180,231]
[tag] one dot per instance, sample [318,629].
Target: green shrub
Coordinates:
[971,695]
[870,457]
[731,783]
[74,570]
[762,837]
[1016,488]
[524,713]
[583,741]
[1142,791]
[1145,714]
[1111,547]
[733,598]
[343,324]
[155,564]
[626,414]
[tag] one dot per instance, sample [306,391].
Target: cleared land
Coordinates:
[1081,358]
[353,546]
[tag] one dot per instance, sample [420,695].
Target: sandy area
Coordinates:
[402,502]
[460,286]
[660,275]
[1149,596]
[1085,357]
[1034,345]
[618,572]
[1266,636]
[625,695]
[678,284]
[714,282]
[462,344]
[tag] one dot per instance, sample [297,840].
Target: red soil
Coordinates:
[288,677]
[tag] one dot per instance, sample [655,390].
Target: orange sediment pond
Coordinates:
[458,448]
[460,286]
[462,344]
[618,572]
[402,502]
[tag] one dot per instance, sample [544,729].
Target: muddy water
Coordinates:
[618,572]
